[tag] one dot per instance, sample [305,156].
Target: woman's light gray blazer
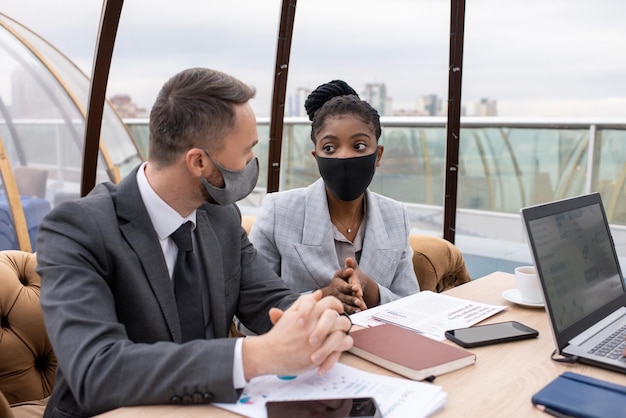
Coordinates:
[294,233]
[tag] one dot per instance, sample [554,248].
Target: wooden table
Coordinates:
[500,384]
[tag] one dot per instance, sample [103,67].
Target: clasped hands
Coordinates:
[310,334]
[355,289]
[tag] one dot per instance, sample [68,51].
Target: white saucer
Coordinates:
[512,295]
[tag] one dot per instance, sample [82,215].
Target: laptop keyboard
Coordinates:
[613,346]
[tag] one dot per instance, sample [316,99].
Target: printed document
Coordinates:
[428,313]
[396,397]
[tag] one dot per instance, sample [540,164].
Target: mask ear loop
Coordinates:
[563,359]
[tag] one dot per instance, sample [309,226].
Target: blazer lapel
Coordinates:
[317,251]
[142,237]
[208,243]
[377,254]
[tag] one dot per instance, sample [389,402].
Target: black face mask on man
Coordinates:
[237,183]
[347,178]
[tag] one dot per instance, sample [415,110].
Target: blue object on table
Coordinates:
[576,395]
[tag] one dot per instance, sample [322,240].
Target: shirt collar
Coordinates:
[164,218]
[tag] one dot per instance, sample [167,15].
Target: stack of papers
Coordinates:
[396,397]
[426,312]
[431,314]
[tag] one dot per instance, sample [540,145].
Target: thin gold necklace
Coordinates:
[354,221]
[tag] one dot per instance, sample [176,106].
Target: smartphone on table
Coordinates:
[500,332]
[332,408]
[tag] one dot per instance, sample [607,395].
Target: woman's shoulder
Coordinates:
[284,204]
[297,195]
[386,203]
[286,196]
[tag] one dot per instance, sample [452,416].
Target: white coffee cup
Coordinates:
[528,284]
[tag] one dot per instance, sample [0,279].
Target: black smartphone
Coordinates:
[333,408]
[500,332]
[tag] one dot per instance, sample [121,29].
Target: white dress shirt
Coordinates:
[165,221]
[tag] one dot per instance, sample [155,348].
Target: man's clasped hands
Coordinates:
[311,333]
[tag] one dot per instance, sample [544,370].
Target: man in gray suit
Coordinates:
[107,262]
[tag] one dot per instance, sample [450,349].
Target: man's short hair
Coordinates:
[195,108]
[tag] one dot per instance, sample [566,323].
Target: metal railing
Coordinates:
[504,165]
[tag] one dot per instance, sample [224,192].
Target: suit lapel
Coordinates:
[377,255]
[209,244]
[142,237]
[317,251]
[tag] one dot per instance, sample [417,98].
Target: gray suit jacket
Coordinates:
[294,234]
[110,310]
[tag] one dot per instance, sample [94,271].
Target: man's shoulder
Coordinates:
[100,193]
[97,205]
[222,214]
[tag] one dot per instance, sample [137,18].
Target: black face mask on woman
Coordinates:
[347,178]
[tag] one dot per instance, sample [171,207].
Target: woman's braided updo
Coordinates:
[337,98]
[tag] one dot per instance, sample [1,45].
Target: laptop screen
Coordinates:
[574,253]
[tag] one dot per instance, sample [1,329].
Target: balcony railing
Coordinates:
[504,165]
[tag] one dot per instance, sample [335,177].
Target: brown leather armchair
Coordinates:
[27,362]
[438,264]
[5,409]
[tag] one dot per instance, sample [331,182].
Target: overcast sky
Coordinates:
[534,57]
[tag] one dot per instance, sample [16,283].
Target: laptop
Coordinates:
[583,286]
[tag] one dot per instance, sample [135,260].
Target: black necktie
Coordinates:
[187,285]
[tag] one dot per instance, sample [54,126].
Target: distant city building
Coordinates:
[432,104]
[126,107]
[406,112]
[444,108]
[429,105]
[484,107]
[376,95]
[295,102]
[487,107]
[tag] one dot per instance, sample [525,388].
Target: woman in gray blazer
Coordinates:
[336,235]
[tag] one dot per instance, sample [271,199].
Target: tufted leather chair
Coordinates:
[438,264]
[5,409]
[27,362]
[247,221]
